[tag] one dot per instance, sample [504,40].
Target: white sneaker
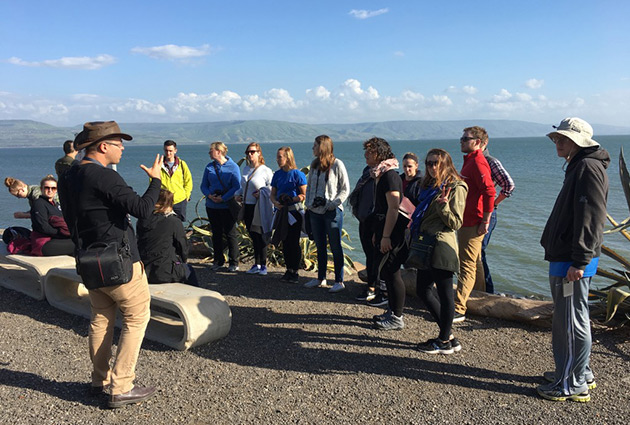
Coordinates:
[314,283]
[338,286]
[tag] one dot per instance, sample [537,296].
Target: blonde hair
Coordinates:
[445,171]
[256,146]
[325,157]
[164,203]
[219,146]
[290,157]
[48,178]
[13,184]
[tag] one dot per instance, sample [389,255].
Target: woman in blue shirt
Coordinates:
[288,190]
[221,179]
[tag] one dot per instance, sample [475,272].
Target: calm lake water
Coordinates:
[515,256]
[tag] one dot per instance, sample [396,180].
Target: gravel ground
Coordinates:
[297,355]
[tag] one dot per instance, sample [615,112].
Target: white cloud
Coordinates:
[365,14]
[80,62]
[350,101]
[173,52]
[533,83]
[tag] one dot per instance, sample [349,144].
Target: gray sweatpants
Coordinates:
[571,336]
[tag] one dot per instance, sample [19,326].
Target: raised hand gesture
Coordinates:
[154,172]
[443,198]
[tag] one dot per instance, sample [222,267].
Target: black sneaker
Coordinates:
[458,318]
[457,346]
[366,295]
[286,276]
[380,317]
[391,323]
[379,300]
[294,277]
[435,346]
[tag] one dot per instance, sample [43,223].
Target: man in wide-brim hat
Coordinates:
[572,240]
[96,202]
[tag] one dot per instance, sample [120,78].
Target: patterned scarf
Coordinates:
[425,198]
[383,167]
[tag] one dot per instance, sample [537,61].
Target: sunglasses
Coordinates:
[250,152]
[50,187]
[431,163]
[465,139]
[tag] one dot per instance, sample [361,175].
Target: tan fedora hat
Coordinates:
[577,130]
[96,131]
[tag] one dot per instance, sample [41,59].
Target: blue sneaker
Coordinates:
[263,271]
[254,270]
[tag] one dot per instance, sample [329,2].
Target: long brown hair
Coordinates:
[445,171]
[326,157]
[164,203]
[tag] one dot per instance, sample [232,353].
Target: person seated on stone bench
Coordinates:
[19,189]
[163,245]
[50,235]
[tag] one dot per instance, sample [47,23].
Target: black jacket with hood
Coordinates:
[575,229]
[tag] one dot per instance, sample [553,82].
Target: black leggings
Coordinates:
[441,307]
[58,247]
[260,247]
[390,273]
[365,235]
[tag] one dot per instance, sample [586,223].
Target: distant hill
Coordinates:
[25,133]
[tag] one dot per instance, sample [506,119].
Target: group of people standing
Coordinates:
[456,209]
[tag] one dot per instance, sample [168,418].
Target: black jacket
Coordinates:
[575,229]
[41,211]
[95,201]
[163,248]
[413,187]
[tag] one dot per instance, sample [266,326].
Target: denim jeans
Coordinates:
[328,225]
[484,244]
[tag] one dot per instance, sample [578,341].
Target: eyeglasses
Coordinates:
[465,139]
[118,145]
[250,152]
[431,163]
[50,187]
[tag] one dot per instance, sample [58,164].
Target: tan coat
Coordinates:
[444,220]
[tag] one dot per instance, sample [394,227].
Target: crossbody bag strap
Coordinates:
[216,170]
[247,182]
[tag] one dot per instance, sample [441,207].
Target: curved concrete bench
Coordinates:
[182,316]
[25,273]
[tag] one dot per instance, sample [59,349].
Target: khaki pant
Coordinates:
[469,251]
[133,299]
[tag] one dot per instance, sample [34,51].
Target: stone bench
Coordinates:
[182,316]
[25,273]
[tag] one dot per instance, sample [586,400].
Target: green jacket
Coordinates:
[444,220]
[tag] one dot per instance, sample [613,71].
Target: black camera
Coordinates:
[218,192]
[319,201]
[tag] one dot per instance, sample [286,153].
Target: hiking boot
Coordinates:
[314,283]
[458,318]
[392,323]
[254,270]
[379,300]
[366,295]
[550,376]
[337,287]
[380,317]
[435,346]
[556,394]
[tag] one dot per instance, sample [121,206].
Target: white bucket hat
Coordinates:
[577,130]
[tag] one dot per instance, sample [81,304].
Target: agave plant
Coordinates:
[613,301]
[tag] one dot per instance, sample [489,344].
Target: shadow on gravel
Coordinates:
[17,303]
[272,341]
[69,391]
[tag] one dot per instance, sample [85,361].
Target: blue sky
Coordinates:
[67,62]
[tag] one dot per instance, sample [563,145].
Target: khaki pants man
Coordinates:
[133,299]
[469,251]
